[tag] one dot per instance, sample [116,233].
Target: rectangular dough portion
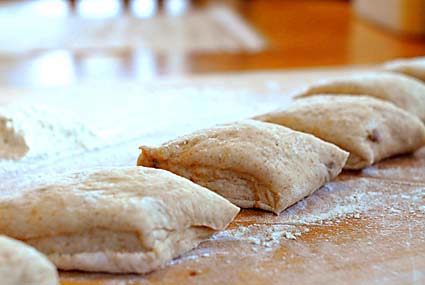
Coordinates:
[253,164]
[368,128]
[414,67]
[122,220]
[21,264]
[405,92]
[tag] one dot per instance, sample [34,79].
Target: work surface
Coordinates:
[366,227]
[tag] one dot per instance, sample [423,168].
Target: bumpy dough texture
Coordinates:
[368,128]
[21,264]
[405,92]
[12,144]
[132,219]
[414,67]
[253,164]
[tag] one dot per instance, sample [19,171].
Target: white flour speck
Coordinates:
[261,235]
[290,235]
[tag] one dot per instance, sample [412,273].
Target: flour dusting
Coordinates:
[47,132]
[260,235]
[353,198]
[336,202]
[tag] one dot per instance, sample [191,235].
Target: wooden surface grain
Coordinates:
[365,227]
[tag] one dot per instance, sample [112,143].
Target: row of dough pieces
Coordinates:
[136,219]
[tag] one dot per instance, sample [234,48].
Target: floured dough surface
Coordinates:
[12,143]
[414,67]
[368,128]
[35,130]
[404,91]
[121,220]
[253,164]
[21,264]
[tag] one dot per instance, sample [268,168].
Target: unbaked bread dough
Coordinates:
[414,67]
[405,92]
[12,144]
[122,220]
[253,164]
[370,129]
[21,264]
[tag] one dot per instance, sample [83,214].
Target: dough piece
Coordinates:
[21,264]
[370,129]
[253,164]
[414,67]
[12,143]
[405,92]
[122,220]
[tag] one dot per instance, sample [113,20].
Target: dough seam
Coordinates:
[133,262]
[239,174]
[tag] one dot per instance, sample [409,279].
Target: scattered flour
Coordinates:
[337,201]
[289,235]
[46,132]
[333,202]
[261,235]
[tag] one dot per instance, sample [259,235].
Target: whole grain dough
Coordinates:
[370,129]
[253,164]
[21,264]
[414,67]
[120,220]
[404,91]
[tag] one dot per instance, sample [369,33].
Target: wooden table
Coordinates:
[365,227]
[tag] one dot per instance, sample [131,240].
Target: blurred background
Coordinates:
[63,42]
